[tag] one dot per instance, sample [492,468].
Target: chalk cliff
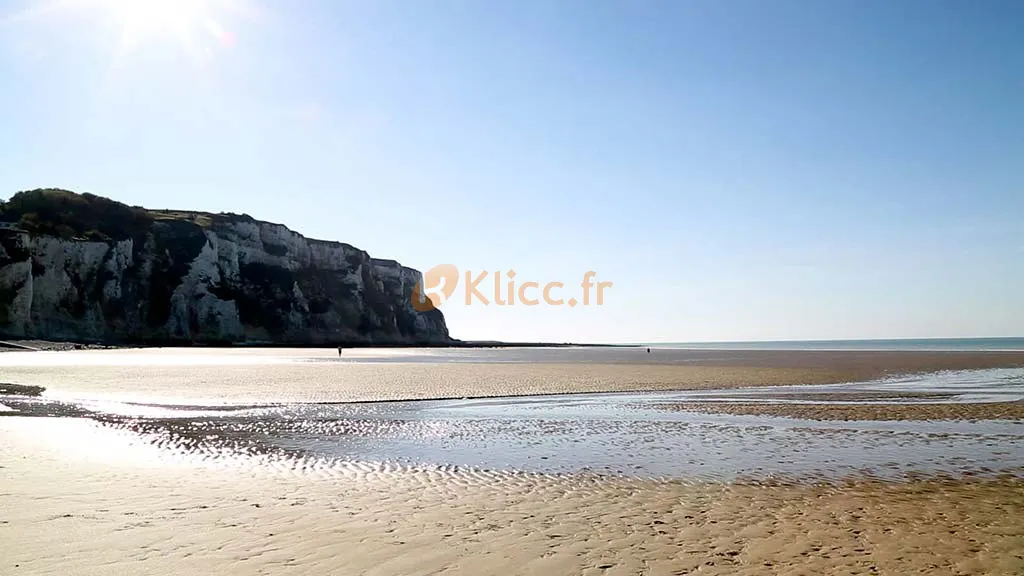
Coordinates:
[86,268]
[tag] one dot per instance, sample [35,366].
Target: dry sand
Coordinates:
[317,378]
[64,513]
[348,382]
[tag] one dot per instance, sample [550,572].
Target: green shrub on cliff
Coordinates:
[69,215]
[56,212]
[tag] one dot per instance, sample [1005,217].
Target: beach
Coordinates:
[259,462]
[178,375]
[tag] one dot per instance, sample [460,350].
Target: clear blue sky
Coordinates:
[740,169]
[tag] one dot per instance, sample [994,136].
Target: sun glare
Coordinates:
[144,20]
[194,25]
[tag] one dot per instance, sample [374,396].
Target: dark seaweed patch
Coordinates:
[20,390]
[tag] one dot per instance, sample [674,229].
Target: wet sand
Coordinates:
[862,411]
[65,514]
[612,434]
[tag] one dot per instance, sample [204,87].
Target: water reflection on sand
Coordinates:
[610,434]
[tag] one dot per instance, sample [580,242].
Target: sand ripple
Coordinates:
[64,511]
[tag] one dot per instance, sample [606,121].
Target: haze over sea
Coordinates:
[896,344]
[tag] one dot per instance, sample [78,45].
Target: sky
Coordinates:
[738,170]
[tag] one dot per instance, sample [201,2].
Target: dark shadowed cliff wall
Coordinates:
[82,267]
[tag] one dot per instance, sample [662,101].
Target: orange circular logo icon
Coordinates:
[436,287]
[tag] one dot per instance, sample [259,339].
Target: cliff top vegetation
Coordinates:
[67,214]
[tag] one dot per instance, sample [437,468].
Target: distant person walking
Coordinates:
[648,350]
[339,350]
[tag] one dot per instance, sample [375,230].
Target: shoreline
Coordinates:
[825,346]
[30,344]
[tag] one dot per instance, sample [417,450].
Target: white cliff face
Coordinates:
[192,304]
[54,274]
[235,280]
